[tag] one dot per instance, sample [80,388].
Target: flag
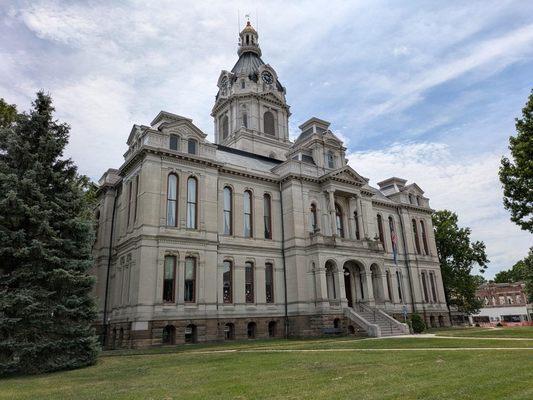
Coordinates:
[394,240]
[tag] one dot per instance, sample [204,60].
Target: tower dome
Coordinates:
[248,41]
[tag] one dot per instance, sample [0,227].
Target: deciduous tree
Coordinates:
[458,257]
[516,173]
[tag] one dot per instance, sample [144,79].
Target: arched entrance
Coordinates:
[191,335]
[354,282]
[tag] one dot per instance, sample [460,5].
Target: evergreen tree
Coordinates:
[458,256]
[8,113]
[46,310]
[516,174]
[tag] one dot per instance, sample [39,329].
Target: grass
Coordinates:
[525,332]
[363,369]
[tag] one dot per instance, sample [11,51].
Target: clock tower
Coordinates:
[250,111]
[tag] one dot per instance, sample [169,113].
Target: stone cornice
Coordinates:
[267,96]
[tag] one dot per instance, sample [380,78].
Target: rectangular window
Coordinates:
[227,282]
[269,283]
[247,214]
[267,216]
[249,282]
[174,139]
[425,287]
[433,288]
[190,280]
[172,199]
[169,279]
[228,211]
[136,198]
[192,193]
[129,201]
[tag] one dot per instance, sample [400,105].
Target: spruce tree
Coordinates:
[46,308]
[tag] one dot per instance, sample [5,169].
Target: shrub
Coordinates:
[499,324]
[417,323]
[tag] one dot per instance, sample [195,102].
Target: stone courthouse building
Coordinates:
[255,236]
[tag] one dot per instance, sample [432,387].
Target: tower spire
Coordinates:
[248,39]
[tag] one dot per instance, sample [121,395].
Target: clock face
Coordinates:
[267,77]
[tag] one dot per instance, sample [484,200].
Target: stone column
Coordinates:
[360,217]
[321,286]
[332,212]
[367,277]
[351,221]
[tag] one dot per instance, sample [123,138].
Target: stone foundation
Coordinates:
[172,332]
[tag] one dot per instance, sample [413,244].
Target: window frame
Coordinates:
[248,216]
[314,217]
[416,237]
[173,292]
[273,133]
[249,282]
[174,139]
[339,219]
[175,201]
[381,234]
[193,204]
[267,216]
[269,283]
[225,211]
[227,299]
[192,299]
[424,237]
[195,143]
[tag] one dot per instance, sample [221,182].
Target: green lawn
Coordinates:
[525,332]
[340,368]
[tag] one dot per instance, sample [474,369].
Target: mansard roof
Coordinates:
[248,64]
[244,159]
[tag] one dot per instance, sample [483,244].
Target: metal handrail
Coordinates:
[364,307]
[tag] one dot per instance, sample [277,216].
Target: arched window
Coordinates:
[225,127]
[272,329]
[357,229]
[268,122]
[340,224]
[169,334]
[411,199]
[169,279]
[229,331]
[228,211]
[192,202]
[417,200]
[331,160]
[190,280]
[267,210]
[243,83]
[425,287]
[415,236]
[434,289]
[269,282]
[136,198]
[192,146]
[172,200]
[424,238]
[252,327]
[393,236]
[247,208]
[174,141]
[314,218]
[249,282]
[227,282]
[245,119]
[380,231]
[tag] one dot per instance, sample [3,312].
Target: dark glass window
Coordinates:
[424,238]
[192,146]
[190,279]
[269,283]
[136,198]
[248,215]
[227,282]
[399,282]
[357,229]
[225,126]
[129,201]
[425,287]
[267,206]
[380,231]
[169,279]
[331,160]
[174,140]
[249,282]
[314,218]
[433,288]
[415,236]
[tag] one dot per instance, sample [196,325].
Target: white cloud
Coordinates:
[467,185]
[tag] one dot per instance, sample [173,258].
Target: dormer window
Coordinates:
[417,200]
[243,84]
[330,160]
[192,146]
[174,140]
[411,199]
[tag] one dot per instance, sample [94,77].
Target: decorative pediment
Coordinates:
[413,188]
[184,128]
[346,175]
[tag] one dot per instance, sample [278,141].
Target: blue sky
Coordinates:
[427,91]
